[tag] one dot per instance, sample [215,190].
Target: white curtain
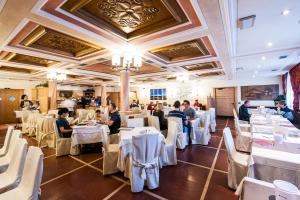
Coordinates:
[289,92]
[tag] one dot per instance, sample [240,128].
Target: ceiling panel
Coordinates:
[203,66]
[208,74]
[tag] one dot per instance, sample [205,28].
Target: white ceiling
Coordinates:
[270,26]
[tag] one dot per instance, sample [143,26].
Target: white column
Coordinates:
[124,90]
[52,94]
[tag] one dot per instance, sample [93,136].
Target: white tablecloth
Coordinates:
[86,135]
[125,144]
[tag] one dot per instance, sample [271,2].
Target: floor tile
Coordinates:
[83,184]
[126,194]
[214,141]
[221,163]
[89,157]
[218,189]
[55,166]
[98,164]
[218,132]
[48,151]
[198,155]
[182,181]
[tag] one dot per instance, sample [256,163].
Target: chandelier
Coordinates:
[129,60]
[55,76]
[184,77]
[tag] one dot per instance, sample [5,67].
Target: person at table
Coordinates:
[179,114]
[70,105]
[161,116]
[188,110]
[114,122]
[134,104]
[151,106]
[64,128]
[25,103]
[285,111]
[243,111]
[98,115]
[197,104]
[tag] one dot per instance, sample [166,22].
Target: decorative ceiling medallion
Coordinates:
[211,74]
[128,18]
[16,70]
[202,66]
[31,60]
[46,39]
[182,51]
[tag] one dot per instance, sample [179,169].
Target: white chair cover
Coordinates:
[170,157]
[25,125]
[46,132]
[237,162]
[29,187]
[53,112]
[110,155]
[154,121]
[63,145]
[144,162]
[12,176]
[243,139]
[135,122]
[7,158]
[5,146]
[213,124]
[90,116]
[202,134]
[182,138]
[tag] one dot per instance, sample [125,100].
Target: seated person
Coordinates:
[25,103]
[188,110]
[134,104]
[243,111]
[285,111]
[161,116]
[98,115]
[64,128]
[179,114]
[151,106]
[114,123]
[197,104]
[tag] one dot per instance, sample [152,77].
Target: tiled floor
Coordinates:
[201,174]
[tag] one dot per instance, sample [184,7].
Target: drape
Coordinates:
[284,83]
[295,82]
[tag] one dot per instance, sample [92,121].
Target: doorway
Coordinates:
[9,102]
[225,101]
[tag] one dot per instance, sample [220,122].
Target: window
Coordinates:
[158,94]
[289,92]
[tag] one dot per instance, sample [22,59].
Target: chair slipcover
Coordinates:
[202,134]
[46,132]
[6,159]
[170,157]
[90,116]
[154,121]
[63,145]
[5,146]
[144,162]
[182,138]
[29,187]
[213,124]
[110,155]
[135,122]
[32,123]
[243,139]
[237,162]
[12,176]
[25,125]
[53,112]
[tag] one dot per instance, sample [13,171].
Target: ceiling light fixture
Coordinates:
[263,58]
[270,44]
[52,75]
[285,12]
[129,59]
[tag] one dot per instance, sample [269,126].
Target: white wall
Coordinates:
[27,86]
[202,89]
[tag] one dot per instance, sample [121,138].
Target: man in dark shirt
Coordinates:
[63,125]
[285,111]
[161,116]
[188,110]
[243,111]
[114,122]
[178,113]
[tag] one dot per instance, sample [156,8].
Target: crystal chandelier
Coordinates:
[54,76]
[128,60]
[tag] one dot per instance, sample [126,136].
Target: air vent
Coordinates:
[246,22]
[282,57]
[274,70]
[239,68]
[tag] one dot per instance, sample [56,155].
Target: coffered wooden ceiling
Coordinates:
[128,18]
[208,74]
[16,70]
[203,66]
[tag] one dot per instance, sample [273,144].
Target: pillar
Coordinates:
[103,95]
[124,90]
[52,91]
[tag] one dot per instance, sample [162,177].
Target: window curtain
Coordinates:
[284,83]
[295,82]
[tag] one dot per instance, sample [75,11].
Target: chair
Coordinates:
[182,138]
[5,160]
[31,177]
[170,157]
[25,125]
[244,125]
[5,146]
[202,134]
[12,176]
[63,145]
[47,133]
[144,164]
[243,139]
[237,162]
[53,112]
[110,155]
[90,115]
[154,121]
[135,122]
[213,124]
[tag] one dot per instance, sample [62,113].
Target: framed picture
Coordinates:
[260,92]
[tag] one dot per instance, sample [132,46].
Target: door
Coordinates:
[9,102]
[225,101]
